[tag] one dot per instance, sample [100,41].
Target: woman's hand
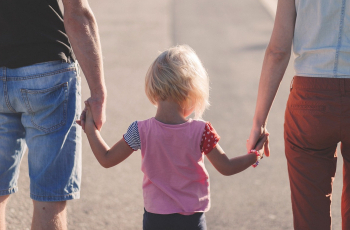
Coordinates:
[254,141]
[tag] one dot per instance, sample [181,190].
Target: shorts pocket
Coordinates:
[47,107]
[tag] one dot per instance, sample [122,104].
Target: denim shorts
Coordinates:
[39,106]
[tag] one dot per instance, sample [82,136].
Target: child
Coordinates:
[175,183]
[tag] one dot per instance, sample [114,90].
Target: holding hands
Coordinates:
[87,118]
[97,110]
[259,141]
[90,124]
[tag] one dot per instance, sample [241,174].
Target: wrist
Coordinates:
[90,129]
[98,99]
[257,156]
[259,125]
[99,94]
[259,122]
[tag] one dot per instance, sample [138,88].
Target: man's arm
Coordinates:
[82,31]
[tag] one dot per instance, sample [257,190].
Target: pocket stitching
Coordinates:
[25,92]
[308,107]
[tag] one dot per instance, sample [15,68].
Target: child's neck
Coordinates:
[170,112]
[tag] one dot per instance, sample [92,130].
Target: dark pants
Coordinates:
[317,118]
[174,221]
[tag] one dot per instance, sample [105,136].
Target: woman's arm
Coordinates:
[275,63]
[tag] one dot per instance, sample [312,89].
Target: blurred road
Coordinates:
[230,37]
[270,6]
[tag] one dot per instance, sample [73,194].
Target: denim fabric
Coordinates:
[322,38]
[174,221]
[39,105]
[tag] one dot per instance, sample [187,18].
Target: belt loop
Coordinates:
[291,85]
[342,86]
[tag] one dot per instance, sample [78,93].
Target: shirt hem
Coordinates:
[178,212]
[322,75]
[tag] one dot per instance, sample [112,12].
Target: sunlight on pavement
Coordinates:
[271,6]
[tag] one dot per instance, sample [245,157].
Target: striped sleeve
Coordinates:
[132,136]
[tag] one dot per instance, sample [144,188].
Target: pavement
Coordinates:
[270,6]
[230,37]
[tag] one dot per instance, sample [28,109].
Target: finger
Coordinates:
[260,143]
[87,106]
[96,110]
[82,116]
[78,122]
[83,124]
[252,141]
[267,147]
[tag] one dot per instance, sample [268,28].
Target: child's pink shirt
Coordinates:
[175,179]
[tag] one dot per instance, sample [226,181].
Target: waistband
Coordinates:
[317,83]
[38,69]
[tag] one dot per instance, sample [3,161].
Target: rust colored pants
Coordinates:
[317,118]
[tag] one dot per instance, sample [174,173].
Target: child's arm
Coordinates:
[234,165]
[107,157]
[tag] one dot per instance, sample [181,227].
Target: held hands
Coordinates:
[98,111]
[258,150]
[88,119]
[259,141]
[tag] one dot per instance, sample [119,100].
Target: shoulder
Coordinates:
[203,123]
[198,122]
[145,122]
[145,125]
[209,130]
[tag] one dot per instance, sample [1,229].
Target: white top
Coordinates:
[321,43]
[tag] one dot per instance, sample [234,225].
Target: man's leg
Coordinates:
[12,147]
[54,141]
[3,202]
[49,215]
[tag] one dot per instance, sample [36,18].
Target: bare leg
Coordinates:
[49,216]
[3,202]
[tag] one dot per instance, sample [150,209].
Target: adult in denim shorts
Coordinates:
[40,101]
[317,114]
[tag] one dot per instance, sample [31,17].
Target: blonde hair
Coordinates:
[178,74]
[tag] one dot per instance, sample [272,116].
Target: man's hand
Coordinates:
[255,138]
[98,111]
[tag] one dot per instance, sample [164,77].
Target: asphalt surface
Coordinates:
[230,37]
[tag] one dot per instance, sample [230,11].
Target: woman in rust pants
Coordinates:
[317,114]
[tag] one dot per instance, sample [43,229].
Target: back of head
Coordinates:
[179,75]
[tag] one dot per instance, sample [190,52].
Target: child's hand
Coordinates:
[89,120]
[82,119]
